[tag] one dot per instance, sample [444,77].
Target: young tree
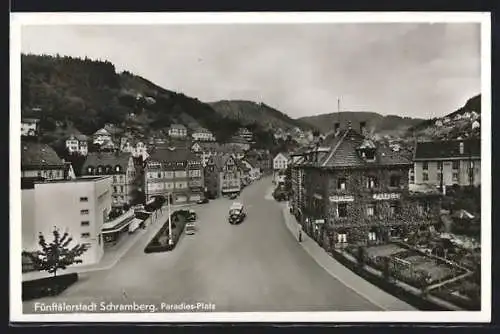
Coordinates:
[58,255]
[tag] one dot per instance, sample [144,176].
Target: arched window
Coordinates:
[90,170]
[100,170]
[108,169]
[118,169]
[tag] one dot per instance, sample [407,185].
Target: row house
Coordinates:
[357,193]
[121,167]
[202,134]
[77,144]
[41,161]
[446,163]
[206,150]
[175,174]
[222,175]
[177,131]
[29,127]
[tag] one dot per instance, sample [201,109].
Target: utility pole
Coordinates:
[170,241]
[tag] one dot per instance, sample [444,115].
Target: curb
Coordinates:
[387,306]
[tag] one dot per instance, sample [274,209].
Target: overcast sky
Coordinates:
[417,70]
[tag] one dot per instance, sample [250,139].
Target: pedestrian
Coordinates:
[300,233]
[124,294]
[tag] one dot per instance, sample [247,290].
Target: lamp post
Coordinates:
[170,241]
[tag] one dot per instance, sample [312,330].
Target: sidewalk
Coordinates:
[115,253]
[362,287]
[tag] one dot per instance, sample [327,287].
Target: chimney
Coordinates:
[461,148]
[362,127]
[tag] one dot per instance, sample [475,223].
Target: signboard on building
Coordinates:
[385,196]
[319,221]
[318,196]
[341,198]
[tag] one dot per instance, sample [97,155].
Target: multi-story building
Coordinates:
[29,127]
[40,160]
[230,176]
[245,134]
[451,162]
[77,144]
[79,207]
[177,131]
[121,167]
[176,174]
[203,134]
[280,161]
[212,174]
[137,148]
[357,193]
[297,179]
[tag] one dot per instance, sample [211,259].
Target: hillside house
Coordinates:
[203,134]
[448,162]
[177,131]
[77,144]
[29,127]
[101,136]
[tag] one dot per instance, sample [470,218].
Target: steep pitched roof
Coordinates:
[102,131]
[177,126]
[448,149]
[343,152]
[38,155]
[107,159]
[173,155]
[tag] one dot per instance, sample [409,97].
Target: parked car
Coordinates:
[280,194]
[188,214]
[190,228]
[236,213]
[203,201]
[233,196]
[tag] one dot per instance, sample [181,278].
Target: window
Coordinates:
[115,190]
[425,165]
[121,189]
[371,182]
[370,210]
[395,208]
[39,173]
[85,223]
[342,210]
[341,183]
[159,175]
[84,199]
[341,237]
[455,164]
[440,165]
[372,236]
[455,177]
[85,235]
[84,212]
[412,179]
[395,181]
[425,177]
[117,168]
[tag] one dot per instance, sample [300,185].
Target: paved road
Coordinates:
[255,266]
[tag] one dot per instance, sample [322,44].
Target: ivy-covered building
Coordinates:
[357,193]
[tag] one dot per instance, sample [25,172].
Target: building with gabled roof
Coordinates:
[40,160]
[202,134]
[29,127]
[177,131]
[356,191]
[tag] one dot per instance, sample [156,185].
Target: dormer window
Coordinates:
[89,170]
[341,183]
[99,170]
[371,182]
[117,169]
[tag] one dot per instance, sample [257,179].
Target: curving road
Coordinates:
[256,266]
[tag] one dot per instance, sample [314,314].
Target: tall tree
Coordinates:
[58,255]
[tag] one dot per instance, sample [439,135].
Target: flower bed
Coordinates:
[160,243]
[48,286]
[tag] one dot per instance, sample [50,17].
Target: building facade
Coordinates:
[77,144]
[29,127]
[40,160]
[177,131]
[101,136]
[203,134]
[121,168]
[79,207]
[175,174]
[280,162]
[230,176]
[356,193]
[452,162]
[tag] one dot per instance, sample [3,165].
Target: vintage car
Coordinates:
[188,214]
[190,228]
[236,213]
[233,196]
[204,200]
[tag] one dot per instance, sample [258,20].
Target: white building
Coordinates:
[280,162]
[77,144]
[79,207]
[101,136]
[29,127]
[177,131]
[136,147]
[203,134]
[476,125]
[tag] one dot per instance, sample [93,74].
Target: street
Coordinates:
[255,266]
